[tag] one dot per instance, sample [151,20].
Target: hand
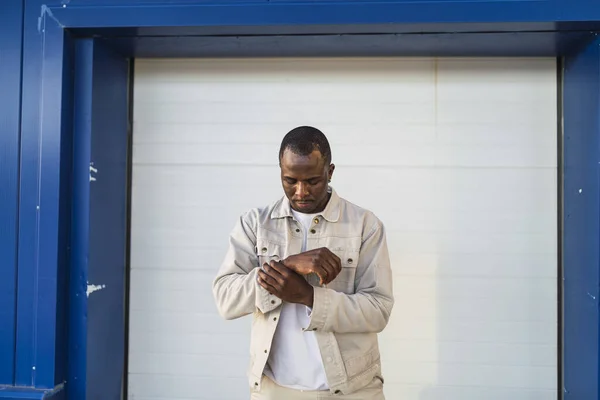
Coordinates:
[285,284]
[321,262]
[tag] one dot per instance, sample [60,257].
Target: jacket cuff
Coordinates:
[265,301]
[320,309]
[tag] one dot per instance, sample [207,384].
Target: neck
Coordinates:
[324,205]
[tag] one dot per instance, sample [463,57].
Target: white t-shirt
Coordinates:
[295,359]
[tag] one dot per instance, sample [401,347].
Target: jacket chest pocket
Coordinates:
[268,251]
[344,282]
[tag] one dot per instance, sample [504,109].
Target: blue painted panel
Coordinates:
[64,233]
[581,223]
[304,13]
[29,195]
[577,10]
[99,240]
[141,3]
[108,225]
[82,133]
[21,395]
[15,393]
[41,224]
[313,30]
[464,44]
[11,25]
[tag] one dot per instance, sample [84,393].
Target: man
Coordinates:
[314,271]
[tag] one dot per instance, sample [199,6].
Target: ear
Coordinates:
[330,172]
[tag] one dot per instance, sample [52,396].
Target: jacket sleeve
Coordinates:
[367,310]
[235,288]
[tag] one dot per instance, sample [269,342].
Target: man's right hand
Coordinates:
[321,262]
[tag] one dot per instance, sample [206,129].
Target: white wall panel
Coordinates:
[456,156]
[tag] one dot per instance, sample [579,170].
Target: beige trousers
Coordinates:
[271,391]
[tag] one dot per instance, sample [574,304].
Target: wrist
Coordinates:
[308,300]
[288,263]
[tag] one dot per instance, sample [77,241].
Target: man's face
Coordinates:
[305,181]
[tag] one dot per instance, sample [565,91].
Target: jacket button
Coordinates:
[265,351]
[337,392]
[272,301]
[316,220]
[264,250]
[313,231]
[297,230]
[274,318]
[350,261]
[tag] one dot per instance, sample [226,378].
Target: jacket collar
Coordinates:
[331,213]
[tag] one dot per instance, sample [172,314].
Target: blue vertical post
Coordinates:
[99,223]
[11,38]
[581,223]
[108,222]
[44,202]
[80,224]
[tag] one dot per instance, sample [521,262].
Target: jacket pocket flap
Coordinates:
[348,258]
[266,248]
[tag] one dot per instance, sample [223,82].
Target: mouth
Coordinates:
[303,204]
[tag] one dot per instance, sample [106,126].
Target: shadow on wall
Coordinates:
[475,314]
[494,291]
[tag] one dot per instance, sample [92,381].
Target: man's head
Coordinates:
[306,169]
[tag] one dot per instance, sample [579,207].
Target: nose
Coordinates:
[301,190]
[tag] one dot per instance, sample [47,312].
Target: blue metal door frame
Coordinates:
[50,317]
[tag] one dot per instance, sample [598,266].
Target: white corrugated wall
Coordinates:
[456,156]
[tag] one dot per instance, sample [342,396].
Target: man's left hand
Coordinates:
[285,284]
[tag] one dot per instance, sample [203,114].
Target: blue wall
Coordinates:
[291,12]
[581,216]
[11,27]
[46,246]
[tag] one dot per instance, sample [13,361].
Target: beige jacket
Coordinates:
[346,315]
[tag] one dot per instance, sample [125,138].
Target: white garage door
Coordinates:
[456,156]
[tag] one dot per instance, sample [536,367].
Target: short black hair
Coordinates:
[303,140]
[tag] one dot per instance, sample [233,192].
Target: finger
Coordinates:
[279,269]
[329,272]
[274,273]
[324,268]
[268,282]
[330,261]
[332,266]
[336,263]
[266,286]
[265,276]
